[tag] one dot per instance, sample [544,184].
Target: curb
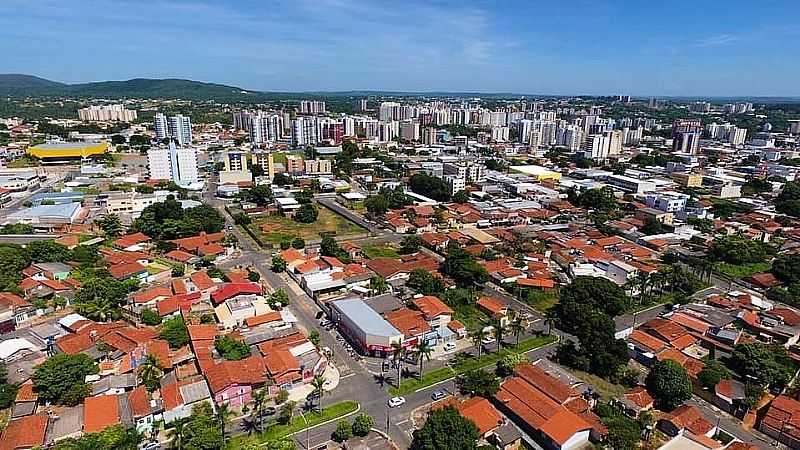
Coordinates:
[336,419]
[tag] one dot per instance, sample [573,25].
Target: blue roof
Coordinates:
[365,317]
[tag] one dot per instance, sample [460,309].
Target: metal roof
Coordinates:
[365,317]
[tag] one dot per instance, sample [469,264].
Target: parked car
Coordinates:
[438,395]
[449,347]
[487,340]
[394,402]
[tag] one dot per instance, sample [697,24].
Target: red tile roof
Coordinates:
[179,255]
[24,433]
[480,411]
[783,416]
[25,393]
[203,332]
[432,307]
[139,401]
[639,397]
[192,243]
[492,305]
[690,418]
[249,371]
[202,280]
[151,294]
[125,270]
[131,239]
[230,290]
[100,413]
[408,322]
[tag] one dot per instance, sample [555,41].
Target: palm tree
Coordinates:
[176,435]
[99,309]
[319,387]
[477,339]
[259,402]
[223,418]
[378,285]
[150,372]
[423,351]
[517,327]
[398,353]
[499,332]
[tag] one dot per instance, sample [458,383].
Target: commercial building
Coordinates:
[107,113]
[365,328]
[173,163]
[52,152]
[631,185]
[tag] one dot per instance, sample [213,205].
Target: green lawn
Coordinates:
[331,412]
[605,388]
[275,229]
[467,364]
[472,317]
[743,270]
[540,301]
[372,251]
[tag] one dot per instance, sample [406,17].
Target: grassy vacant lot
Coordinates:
[605,388]
[470,363]
[472,317]
[540,301]
[330,412]
[372,251]
[276,229]
[743,270]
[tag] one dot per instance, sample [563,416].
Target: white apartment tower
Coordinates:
[173,163]
[304,132]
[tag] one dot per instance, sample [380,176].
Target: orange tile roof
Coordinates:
[100,413]
[248,371]
[690,418]
[25,393]
[151,294]
[291,254]
[179,255]
[263,318]
[230,290]
[23,433]
[202,280]
[455,325]
[408,322]
[280,361]
[639,397]
[178,286]
[552,387]
[125,270]
[431,306]
[492,305]
[205,332]
[131,239]
[480,411]
[647,341]
[139,401]
[194,242]
[544,283]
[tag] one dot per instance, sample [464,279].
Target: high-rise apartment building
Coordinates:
[107,113]
[737,136]
[173,163]
[409,130]
[686,135]
[388,111]
[265,128]
[305,131]
[312,107]
[177,128]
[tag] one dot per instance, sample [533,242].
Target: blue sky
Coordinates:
[637,47]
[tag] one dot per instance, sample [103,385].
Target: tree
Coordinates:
[462,267]
[787,268]
[478,382]
[712,374]
[506,365]
[115,437]
[788,202]
[739,250]
[111,225]
[253,276]
[278,298]
[259,194]
[298,243]
[423,351]
[362,424]
[318,383]
[410,244]
[16,228]
[202,431]
[306,213]
[378,285]
[477,337]
[176,435]
[601,199]
[517,327]
[150,317]
[314,338]
[223,418]
[60,379]
[429,186]
[499,332]
[282,179]
[286,412]
[174,331]
[624,433]
[343,431]
[652,226]
[767,365]
[669,384]
[48,251]
[461,197]
[446,429]
[425,282]
[231,349]
[149,372]
[278,264]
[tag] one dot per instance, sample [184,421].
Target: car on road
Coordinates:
[487,340]
[449,347]
[394,402]
[438,395]
[150,446]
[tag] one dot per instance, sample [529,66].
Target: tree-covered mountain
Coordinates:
[28,85]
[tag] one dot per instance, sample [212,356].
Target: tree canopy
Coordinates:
[61,378]
[231,349]
[768,365]
[168,220]
[739,250]
[462,267]
[174,331]
[669,384]
[446,429]
[429,186]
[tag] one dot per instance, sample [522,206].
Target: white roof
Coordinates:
[353,195]
[286,201]
[302,349]
[10,347]
[70,319]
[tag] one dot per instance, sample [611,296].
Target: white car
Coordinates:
[487,340]
[449,347]
[394,402]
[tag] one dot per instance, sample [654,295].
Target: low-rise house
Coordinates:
[133,242]
[236,302]
[179,397]
[144,410]
[495,308]
[232,382]
[25,433]
[782,421]
[635,401]
[686,418]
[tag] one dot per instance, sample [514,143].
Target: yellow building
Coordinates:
[67,150]
[538,173]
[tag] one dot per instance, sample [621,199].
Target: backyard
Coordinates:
[275,229]
[374,250]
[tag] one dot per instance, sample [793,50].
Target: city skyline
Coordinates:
[592,48]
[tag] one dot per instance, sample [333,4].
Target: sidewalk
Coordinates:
[331,376]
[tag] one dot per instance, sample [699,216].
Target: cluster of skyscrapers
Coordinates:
[107,113]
